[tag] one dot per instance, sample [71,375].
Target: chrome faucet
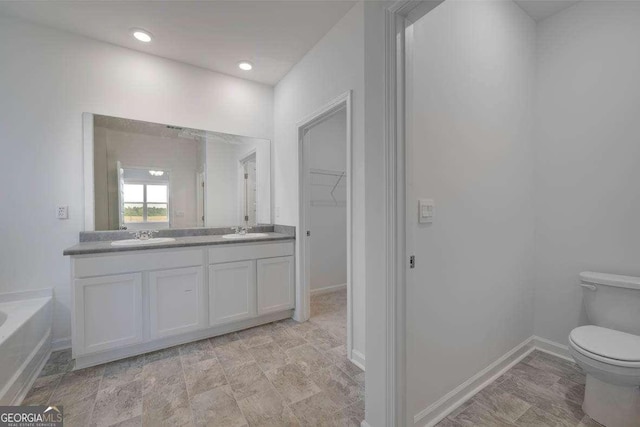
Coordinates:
[241,230]
[143,234]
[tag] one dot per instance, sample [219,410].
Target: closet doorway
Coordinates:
[324,256]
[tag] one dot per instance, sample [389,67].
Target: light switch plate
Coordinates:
[425,211]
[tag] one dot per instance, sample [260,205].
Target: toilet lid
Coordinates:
[607,343]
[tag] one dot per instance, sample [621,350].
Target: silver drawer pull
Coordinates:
[188,290]
[590,287]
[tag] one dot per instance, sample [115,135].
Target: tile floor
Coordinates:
[541,390]
[281,374]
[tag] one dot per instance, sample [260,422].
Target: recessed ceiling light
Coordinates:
[245,65]
[142,35]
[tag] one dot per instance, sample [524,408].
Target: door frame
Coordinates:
[303,285]
[398,17]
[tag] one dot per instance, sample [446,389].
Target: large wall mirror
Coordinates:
[153,176]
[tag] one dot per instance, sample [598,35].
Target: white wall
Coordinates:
[328,220]
[469,299]
[587,155]
[177,155]
[333,66]
[47,79]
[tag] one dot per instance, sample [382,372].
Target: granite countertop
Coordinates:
[100,247]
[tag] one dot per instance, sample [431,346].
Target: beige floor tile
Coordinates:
[292,383]
[117,403]
[217,407]
[536,417]
[247,380]
[196,352]
[233,354]
[259,335]
[78,412]
[288,338]
[42,390]
[267,409]
[161,373]
[315,410]
[166,353]
[122,372]
[534,375]
[59,362]
[321,339]
[307,358]
[77,385]
[337,385]
[223,339]
[131,422]
[269,356]
[167,405]
[479,416]
[501,403]
[203,376]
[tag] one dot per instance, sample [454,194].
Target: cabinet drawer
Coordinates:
[231,253]
[129,262]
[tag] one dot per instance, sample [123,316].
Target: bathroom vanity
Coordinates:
[129,300]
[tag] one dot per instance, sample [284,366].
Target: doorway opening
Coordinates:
[324,253]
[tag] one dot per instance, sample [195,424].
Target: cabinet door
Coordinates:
[232,291]
[275,284]
[108,312]
[175,301]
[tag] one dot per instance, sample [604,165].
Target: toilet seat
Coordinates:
[607,345]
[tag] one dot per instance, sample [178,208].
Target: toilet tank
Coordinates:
[612,301]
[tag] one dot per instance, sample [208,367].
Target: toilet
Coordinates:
[608,350]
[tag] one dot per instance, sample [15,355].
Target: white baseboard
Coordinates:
[328,289]
[436,412]
[61,344]
[552,347]
[357,359]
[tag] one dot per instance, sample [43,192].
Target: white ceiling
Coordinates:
[542,9]
[274,35]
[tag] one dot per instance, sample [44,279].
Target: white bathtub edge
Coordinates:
[21,382]
[22,295]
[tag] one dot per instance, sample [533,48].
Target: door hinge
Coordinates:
[246,176]
[308,233]
[412,261]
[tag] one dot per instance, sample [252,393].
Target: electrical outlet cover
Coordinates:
[63,212]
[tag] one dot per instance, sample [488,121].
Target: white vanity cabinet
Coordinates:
[232,291]
[175,301]
[275,284]
[132,302]
[108,312]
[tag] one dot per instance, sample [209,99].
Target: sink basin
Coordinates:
[136,242]
[244,236]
